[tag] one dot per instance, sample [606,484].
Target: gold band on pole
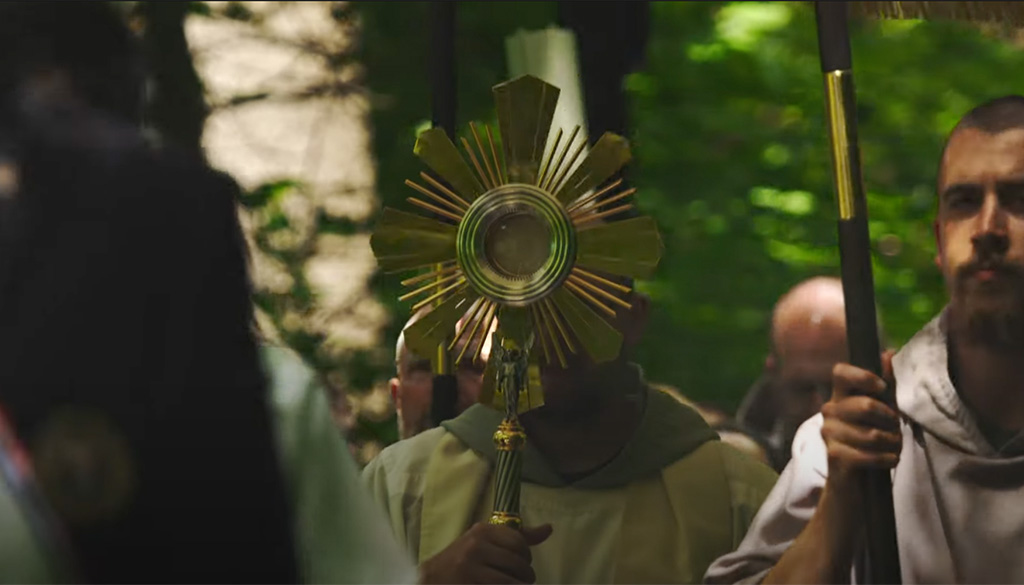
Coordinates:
[839,106]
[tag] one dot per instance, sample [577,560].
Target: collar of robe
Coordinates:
[667,432]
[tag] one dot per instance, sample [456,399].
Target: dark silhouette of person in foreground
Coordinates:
[128,371]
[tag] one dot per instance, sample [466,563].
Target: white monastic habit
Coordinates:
[956,497]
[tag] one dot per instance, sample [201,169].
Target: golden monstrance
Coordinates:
[524,239]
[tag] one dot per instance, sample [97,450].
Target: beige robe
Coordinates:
[675,499]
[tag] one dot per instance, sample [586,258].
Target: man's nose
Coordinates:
[990,237]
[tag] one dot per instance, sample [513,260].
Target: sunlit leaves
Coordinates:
[795,203]
[799,256]
[741,25]
[267,194]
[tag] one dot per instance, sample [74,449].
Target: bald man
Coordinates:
[413,385]
[808,337]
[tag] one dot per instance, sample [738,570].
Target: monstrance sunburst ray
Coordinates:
[519,233]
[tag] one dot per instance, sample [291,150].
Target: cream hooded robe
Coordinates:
[959,501]
[671,502]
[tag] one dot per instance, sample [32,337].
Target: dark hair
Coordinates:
[997,115]
[994,116]
[89,41]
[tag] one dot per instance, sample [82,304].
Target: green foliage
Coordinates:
[732,159]
[289,310]
[265,205]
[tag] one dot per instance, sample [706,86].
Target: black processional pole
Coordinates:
[443,108]
[883,562]
[442,65]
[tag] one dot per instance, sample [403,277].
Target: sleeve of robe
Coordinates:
[395,479]
[784,514]
[342,536]
[750,483]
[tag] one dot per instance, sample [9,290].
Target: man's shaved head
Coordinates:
[808,340]
[404,358]
[992,117]
[412,388]
[810,315]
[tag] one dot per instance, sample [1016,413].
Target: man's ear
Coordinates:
[636,323]
[396,397]
[938,243]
